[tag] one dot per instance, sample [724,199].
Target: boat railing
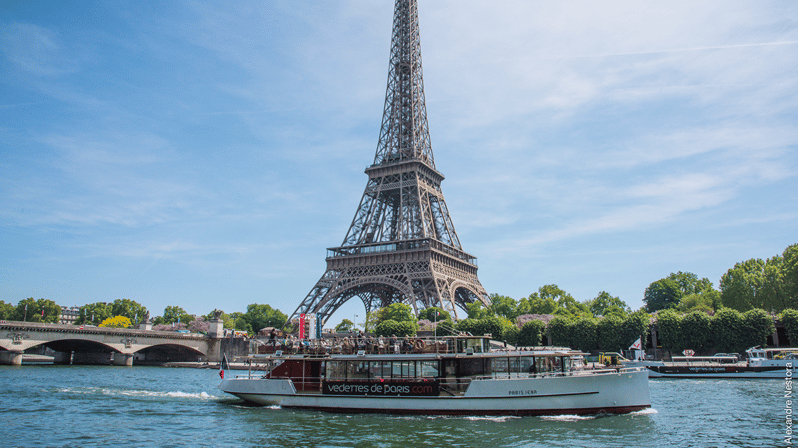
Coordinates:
[555,374]
[371,345]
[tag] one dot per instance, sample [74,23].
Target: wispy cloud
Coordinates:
[36,50]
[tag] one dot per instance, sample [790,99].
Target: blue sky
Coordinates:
[205,154]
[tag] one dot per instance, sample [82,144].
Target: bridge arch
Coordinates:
[161,353]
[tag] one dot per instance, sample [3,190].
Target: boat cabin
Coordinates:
[448,372]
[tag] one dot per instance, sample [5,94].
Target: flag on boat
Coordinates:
[638,345]
[223,366]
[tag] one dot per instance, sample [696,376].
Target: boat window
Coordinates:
[525,364]
[547,364]
[556,364]
[475,366]
[429,369]
[336,370]
[515,365]
[566,364]
[474,344]
[499,365]
[470,346]
[404,369]
[381,369]
[357,370]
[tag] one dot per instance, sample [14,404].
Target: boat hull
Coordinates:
[594,393]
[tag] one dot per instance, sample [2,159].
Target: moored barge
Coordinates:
[761,363]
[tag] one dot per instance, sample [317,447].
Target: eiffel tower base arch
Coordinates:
[411,277]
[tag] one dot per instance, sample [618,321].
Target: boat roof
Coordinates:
[422,356]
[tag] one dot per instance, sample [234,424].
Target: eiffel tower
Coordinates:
[401,245]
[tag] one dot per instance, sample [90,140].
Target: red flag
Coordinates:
[223,365]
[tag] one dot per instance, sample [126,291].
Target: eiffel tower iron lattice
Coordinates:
[401,245]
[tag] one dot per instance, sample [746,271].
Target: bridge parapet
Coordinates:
[90,329]
[16,337]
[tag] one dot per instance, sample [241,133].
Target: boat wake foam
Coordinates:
[491,419]
[567,418]
[648,411]
[134,393]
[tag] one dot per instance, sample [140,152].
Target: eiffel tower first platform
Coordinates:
[401,246]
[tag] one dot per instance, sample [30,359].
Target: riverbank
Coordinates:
[29,359]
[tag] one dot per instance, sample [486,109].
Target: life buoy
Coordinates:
[418,344]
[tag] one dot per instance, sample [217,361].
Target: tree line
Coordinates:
[125,313]
[770,284]
[690,312]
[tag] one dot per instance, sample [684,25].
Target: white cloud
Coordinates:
[36,50]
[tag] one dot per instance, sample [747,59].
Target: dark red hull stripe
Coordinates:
[517,412]
[410,397]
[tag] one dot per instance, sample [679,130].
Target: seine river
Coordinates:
[153,406]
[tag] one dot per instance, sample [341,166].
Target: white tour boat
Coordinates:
[453,375]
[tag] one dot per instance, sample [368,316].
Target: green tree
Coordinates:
[560,330]
[395,319]
[604,301]
[728,331]
[634,325]
[531,333]
[689,283]
[128,308]
[789,318]
[535,304]
[430,314]
[564,300]
[757,326]
[790,276]
[93,313]
[773,293]
[260,316]
[756,283]
[242,324]
[116,322]
[662,294]
[475,310]
[399,312]
[670,330]
[511,334]
[492,325]
[609,334]
[584,334]
[707,301]
[503,306]
[172,313]
[42,310]
[696,329]
[7,311]
[390,327]
[345,326]
[227,320]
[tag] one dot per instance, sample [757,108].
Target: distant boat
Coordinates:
[761,363]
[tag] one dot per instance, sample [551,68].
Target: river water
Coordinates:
[155,406]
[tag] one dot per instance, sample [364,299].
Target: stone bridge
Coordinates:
[73,344]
